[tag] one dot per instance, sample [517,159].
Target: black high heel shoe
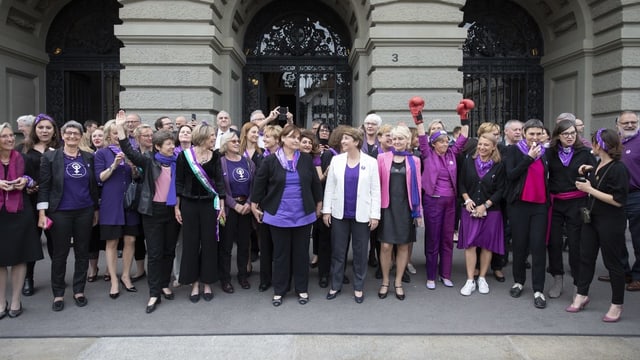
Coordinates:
[151,308]
[129,289]
[114,295]
[6,310]
[15,313]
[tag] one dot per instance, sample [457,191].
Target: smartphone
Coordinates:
[193,117]
[324,141]
[283,110]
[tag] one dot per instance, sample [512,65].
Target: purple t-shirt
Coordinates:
[444,185]
[351,176]
[290,213]
[239,177]
[75,188]
[631,158]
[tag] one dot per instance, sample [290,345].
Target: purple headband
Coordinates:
[599,140]
[41,117]
[436,135]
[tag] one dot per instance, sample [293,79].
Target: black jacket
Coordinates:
[516,166]
[51,181]
[270,180]
[490,187]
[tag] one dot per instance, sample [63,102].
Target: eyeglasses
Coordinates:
[324,130]
[568,134]
[72,133]
[234,141]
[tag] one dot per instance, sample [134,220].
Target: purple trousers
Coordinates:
[439,219]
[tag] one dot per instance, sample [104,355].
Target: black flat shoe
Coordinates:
[381,294]
[58,305]
[399,296]
[27,287]
[227,287]
[169,296]
[81,301]
[276,300]
[244,283]
[406,278]
[358,299]
[194,298]
[313,265]
[115,295]
[93,277]
[151,308]
[264,287]
[499,278]
[137,278]
[331,296]
[15,313]
[324,282]
[303,300]
[129,289]
[207,296]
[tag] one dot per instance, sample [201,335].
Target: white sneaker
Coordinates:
[468,288]
[483,287]
[411,269]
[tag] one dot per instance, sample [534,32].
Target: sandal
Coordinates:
[277,300]
[381,294]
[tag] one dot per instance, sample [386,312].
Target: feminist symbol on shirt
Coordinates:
[76,170]
[240,175]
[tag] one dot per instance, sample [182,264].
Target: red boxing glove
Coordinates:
[416,104]
[463,109]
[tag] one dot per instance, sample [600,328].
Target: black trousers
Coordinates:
[528,231]
[324,248]
[290,247]
[565,215]
[237,229]
[342,232]
[69,224]
[199,242]
[266,254]
[140,247]
[607,234]
[161,231]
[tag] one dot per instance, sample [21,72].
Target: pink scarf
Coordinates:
[12,200]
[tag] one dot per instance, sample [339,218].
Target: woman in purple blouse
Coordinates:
[115,174]
[283,179]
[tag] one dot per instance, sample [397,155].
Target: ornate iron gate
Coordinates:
[501,63]
[301,53]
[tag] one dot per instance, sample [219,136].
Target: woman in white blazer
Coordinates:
[351,208]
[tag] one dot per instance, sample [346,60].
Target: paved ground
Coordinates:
[439,323]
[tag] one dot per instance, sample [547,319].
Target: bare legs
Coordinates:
[18,273]
[470,257]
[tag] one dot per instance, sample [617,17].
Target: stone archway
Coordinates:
[297,56]
[83,74]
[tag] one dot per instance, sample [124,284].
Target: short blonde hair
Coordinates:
[108,128]
[402,131]
[487,127]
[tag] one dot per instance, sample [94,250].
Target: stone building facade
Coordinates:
[183,57]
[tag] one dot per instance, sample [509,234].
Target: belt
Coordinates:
[240,199]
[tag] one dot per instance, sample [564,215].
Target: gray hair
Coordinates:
[72,124]
[373,118]
[566,116]
[26,120]
[224,139]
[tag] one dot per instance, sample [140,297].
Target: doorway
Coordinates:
[298,58]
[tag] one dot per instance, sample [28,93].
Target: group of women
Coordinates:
[300,181]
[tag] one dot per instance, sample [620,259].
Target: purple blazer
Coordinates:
[431,162]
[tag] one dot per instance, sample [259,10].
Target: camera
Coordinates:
[282,110]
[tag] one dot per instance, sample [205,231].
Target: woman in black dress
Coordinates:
[19,243]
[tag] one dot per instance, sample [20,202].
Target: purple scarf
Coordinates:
[115,149]
[12,200]
[171,161]
[522,145]
[483,167]
[415,187]
[286,164]
[565,154]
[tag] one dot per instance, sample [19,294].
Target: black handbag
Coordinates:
[132,195]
